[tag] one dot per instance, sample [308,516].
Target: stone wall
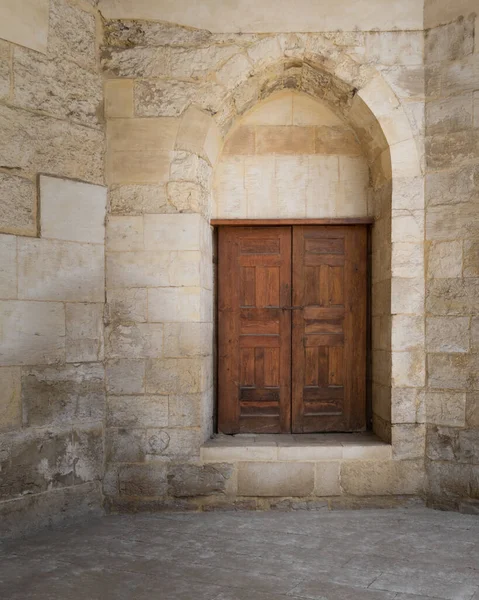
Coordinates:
[52,212]
[452,279]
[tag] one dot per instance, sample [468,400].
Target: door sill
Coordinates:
[295,447]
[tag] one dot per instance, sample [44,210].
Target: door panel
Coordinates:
[329,330]
[254,333]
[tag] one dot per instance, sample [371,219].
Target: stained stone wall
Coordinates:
[452,234]
[52,213]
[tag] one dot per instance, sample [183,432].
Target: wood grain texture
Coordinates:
[284,222]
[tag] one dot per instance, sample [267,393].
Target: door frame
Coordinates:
[216,223]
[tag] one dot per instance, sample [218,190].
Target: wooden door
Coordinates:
[329,330]
[254,333]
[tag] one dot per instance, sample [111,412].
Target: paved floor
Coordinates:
[346,555]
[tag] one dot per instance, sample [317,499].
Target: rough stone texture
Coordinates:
[365,478]
[19,205]
[198,480]
[84,332]
[275,479]
[10,398]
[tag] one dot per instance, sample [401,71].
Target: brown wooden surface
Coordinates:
[329,331]
[254,333]
[285,222]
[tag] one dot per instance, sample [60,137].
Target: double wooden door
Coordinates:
[292,329]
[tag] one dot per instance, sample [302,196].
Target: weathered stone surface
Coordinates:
[143,480]
[125,445]
[449,115]
[172,232]
[452,186]
[71,210]
[444,259]
[33,143]
[59,88]
[275,479]
[26,24]
[137,411]
[468,446]
[185,410]
[8,267]
[129,33]
[447,334]
[124,233]
[407,260]
[119,98]
[472,410]
[185,196]
[407,295]
[125,376]
[178,375]
[188,339]
[87,448]
[471,258]
[407,405]
[127,305]
[407,332]
[198,480]
[326,479]
[452,78]
[448,480]
[446,150]
[452,296]
[19,205]
[42,327]
[64,395]
[139,340]
[450,42]
[372,478]
[408,368]
[186,166]
[10,398]
[395,47]
[446,223]
[181,304]
[138,269]
[66,271]
[453,371]
[446,408]
[5,69]
[408,441]
[84,332]
[441,443]
[138,199]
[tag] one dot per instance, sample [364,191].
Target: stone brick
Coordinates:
[124,234]
[408,226]
[178,376]
[234,71]
[453,371]
[188,339]
[137,269]
[472,410]
[395,47]
[374,478]
[327,479]
[34,143]
[447,334]
[407,260]
[138,199]
[172,232]
[453,186]
[449,115]
[8,267]
[468,446]
[174,304]
[408,441]
[407,332]
[71,210]
[405,81]
[152,34]
[444,259]
[284,140]
[125,376]
[119,98]
[407,405]
[471,258]
[407,295]
[127,305]
[336,140]
[66,271]
[19,205]
[87,447]
[185,410]
[42,327]
[441,443]
[240,141]
[446,408]
[125,445]
[275,479]
[450,42]
[408,368]
[84,332]
[186,166]
[198,480]
[5,69]
[193,132]
[444,151]
[229,188]
[174,443]
[448,480]
[138,340]
[137,411]
[143,480]
[27,24]
[187,268]
[10,398]
[63,395]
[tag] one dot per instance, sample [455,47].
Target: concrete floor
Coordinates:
[346,555]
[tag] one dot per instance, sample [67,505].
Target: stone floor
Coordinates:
[407,554]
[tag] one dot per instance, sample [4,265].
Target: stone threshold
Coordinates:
[295,447]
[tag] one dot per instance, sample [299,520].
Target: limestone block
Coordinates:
[395,47]
[453,186]
[407,225]
[178,375]
[198,480]
[172,232]
[186,196]
[326,479]
[310,111]
[448,480]
[10,398]
[19,205]
[476,109]
[188,339]
[291,186]
[193,129]
[452,371]
[382,478]
[137,411]
[407,295]
[138,340]
[407,332]
[137,269]
[275,479]
[381,366]
[449,115]
[378,97]
[119,98]
[124,234]
[197,62]
[441,443]
[125,376]
[32,333]
[152,34]
[206,305]
[450,42]
[125,445]
[471,258]
[143,480]
[447,334]
[71,210]
[405,160]
[127,305]
[182,304]
[185,410]
[136,63]
[138,199]
[84,332]
[408,368]
[63,395]
[26,24]
[452,78]
[446,223]
[5,69]
[87,448]
[259,183]
[335,140]
[36,143]
[234,71]
[452,296]
[446,408]
[408,441]
[447,150]
[407,260]
[265,52]
[60,88]
[285,140]
[468,446]
[8,267]
[472,410]
[276,109]
[321,193]
[173,443]
[406,82]
[213,143]
[229,188]
[190,167]
[65,271]
[185,269]
[416,114]
[407,405]
[444,259]
[240,141]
